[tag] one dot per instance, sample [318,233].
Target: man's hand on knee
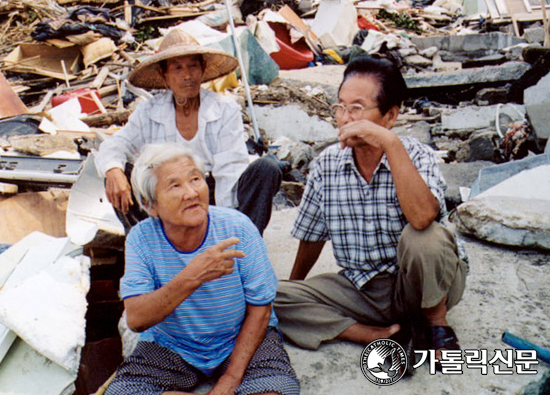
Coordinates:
[118,189]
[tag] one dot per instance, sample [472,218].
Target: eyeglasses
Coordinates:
[354,110]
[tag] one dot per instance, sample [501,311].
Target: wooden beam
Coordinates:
[107,119]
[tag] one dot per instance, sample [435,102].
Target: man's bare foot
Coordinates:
[364,334]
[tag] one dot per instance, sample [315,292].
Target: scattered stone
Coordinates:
[540,59]
[539,116]
[418,61]
[293,191]
[482,146]
[463,152]
[459,175]
[293,122]
[429,52]
[533,53]
[440,65]
[404,52]
[488,96]
[515,212]
[534,35]
[489,60]
[419,130]
[468,46]
[539,93]
[537,102]
[295,175]
[515,52]
[448,145]
[298,154]
[476,117]
[509,71]
[493,175]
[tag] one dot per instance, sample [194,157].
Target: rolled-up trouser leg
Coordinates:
[257,186]
[320,308]
[429,269]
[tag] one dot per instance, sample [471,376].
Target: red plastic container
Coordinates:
[84,96]
[291,56]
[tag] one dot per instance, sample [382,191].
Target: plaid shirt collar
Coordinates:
[348,160]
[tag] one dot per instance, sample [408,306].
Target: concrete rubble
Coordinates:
[478,94]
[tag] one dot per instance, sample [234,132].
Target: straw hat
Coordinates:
[178,43]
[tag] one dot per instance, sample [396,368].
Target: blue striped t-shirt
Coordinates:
[204,327]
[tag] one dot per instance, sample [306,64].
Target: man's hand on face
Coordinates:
[362,132]
[214,262]
[118,189]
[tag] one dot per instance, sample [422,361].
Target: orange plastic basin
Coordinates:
[291,56]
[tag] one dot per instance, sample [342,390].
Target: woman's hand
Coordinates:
[214,262]
[226,385]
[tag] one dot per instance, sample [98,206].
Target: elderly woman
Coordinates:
[198,285]
[208,123]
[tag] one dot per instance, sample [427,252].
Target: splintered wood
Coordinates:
[23,16]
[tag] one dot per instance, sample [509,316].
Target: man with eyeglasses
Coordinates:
[377,197]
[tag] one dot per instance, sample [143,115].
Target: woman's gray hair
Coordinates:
[144,178]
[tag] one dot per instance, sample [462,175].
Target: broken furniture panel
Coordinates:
[25,213]
[44,60]
[10,104]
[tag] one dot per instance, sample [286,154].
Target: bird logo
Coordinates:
[383,362]
[385,367]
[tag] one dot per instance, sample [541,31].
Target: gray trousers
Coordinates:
[320,308]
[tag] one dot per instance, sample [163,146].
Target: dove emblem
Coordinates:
[383,362]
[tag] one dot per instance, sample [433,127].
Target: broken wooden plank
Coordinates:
[100,78]
[107,119]
[46,100]
[502,8]
[167,17]
[107,90]
[128,57]
[493,11]
[545,23]
[38,211]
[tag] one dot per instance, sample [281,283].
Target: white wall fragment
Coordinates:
[513,212]
[89,209]
[48,308]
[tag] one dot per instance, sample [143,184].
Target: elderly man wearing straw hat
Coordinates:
[208,123]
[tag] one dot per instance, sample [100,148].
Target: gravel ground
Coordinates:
[507,290]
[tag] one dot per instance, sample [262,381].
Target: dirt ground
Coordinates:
[507,290]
